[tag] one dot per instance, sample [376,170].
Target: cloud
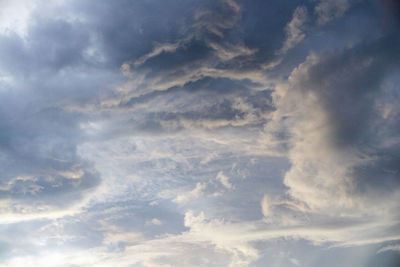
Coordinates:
[294,261]
[330,130]
[224,180]
[331,9]
[238,239]
[155,221]
[193,194]
[121,123]
[389,248]
[295,29]
[266,206]
[42,172]
[158,49]
[222,15]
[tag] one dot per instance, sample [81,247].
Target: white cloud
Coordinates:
[154,221]
[266,206]
[321,174]
[294,261]
[295,32]
[157,50]
[126,237]
[389,248]
[228,51]
[14,16]
[193,194]
[224,180]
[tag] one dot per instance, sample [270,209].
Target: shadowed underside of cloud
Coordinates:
[41,171]
[199,133]
[342,142]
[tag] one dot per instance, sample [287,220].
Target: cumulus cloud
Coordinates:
[330,133]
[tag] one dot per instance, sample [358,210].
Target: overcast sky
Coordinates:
[200,133]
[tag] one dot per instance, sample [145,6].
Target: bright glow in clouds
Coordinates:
[200,133]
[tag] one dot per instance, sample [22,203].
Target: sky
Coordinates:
[233,133]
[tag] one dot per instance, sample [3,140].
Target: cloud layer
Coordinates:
[199,133]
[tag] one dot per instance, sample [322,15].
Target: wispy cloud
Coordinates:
[199,133]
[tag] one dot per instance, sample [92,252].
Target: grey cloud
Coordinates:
[207,103]
[49,46]
[144,103]
[348,83]
[295,29]
[40,166]
[219,43]
[203,88]
[339,92]
[331,9]
[217,18]
[126,31]
[41,169]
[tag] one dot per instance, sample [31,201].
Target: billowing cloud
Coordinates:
[334,131]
